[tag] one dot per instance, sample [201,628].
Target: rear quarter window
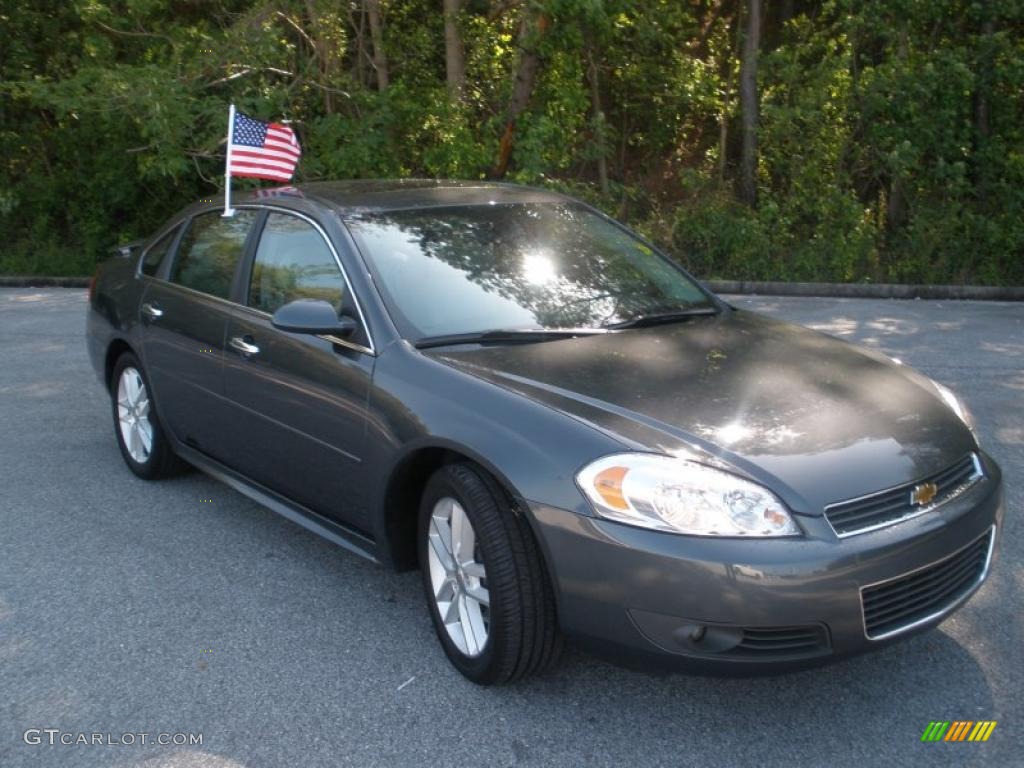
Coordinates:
[156,253]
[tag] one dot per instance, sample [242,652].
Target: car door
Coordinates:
[184,319]
[299,401]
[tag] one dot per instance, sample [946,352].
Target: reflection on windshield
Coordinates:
[474,268]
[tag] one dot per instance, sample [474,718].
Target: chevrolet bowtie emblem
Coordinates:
[923,494]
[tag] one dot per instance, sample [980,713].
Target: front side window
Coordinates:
[471,269]
[155,255]
[293,262]
[210,250]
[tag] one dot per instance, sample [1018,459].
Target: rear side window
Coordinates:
[156,253]
[293,262]
[210,250]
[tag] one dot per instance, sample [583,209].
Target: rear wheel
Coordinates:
[140,436]
[486,585]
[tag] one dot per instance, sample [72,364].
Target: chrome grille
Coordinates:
[895,505]
[900,604]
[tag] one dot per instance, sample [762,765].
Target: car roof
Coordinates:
[378,195]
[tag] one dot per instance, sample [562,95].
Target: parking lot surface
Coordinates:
[183,607]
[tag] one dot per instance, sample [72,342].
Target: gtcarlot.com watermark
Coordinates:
[54,736]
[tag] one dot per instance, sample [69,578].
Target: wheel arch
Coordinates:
[115,349]
[404,489]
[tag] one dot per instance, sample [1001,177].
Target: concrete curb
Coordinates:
[830,290]
[30,281]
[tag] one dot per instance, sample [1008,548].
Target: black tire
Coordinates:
[161,461]
[523,636]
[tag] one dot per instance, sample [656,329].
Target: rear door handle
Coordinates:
[243,346]
[152,311]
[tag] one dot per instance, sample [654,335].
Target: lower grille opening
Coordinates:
[782,642]
[692,637]
[904,602]
[754,643]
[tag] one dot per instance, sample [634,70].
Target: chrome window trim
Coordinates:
[967,592]
[370,350]
[185,288]
[979,474]
[326,337]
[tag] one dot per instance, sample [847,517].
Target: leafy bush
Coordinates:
[891,132]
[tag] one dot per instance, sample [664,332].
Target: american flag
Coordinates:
[262,150]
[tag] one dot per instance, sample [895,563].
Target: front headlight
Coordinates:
[956,405]
[681,496]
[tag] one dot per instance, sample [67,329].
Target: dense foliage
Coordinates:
[889,133]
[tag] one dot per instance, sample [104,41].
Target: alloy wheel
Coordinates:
[458,577]
[133,415]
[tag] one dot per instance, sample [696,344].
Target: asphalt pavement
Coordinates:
[129,607]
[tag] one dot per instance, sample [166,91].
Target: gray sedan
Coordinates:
[568,434]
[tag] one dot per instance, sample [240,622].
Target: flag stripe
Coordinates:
[269,168]
[281,145]
[284,134]
[243,167]
[281,134]
[269,152]
[257,173]
[264,151]
[249,159]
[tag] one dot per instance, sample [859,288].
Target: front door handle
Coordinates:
[244,346]
[152,311]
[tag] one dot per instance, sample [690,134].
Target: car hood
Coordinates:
[814,418]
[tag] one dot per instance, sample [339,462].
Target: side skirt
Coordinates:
[335,532]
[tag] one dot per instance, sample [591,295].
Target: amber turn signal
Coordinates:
[608,483]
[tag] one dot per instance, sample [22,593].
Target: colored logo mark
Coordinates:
[923,494]
[958,730]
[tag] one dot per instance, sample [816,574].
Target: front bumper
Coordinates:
[734,605]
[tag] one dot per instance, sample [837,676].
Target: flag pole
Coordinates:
[227,163]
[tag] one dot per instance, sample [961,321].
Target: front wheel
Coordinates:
[486,585]
[140,436]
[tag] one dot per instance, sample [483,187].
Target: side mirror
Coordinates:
[313,316]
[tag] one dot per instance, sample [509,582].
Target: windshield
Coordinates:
[524,266]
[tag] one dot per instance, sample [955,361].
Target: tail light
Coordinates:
[92,285]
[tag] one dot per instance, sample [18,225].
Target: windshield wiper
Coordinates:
[506,336]
[659,318]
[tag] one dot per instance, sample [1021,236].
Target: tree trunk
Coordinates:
[359,70]
[380,59]
[723,136]
[454,51]
[749,103]
[982,121]
[727,94]
[531,30]
[982,104]
[600,134]
[324,54]
[787,11]
[896,204]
